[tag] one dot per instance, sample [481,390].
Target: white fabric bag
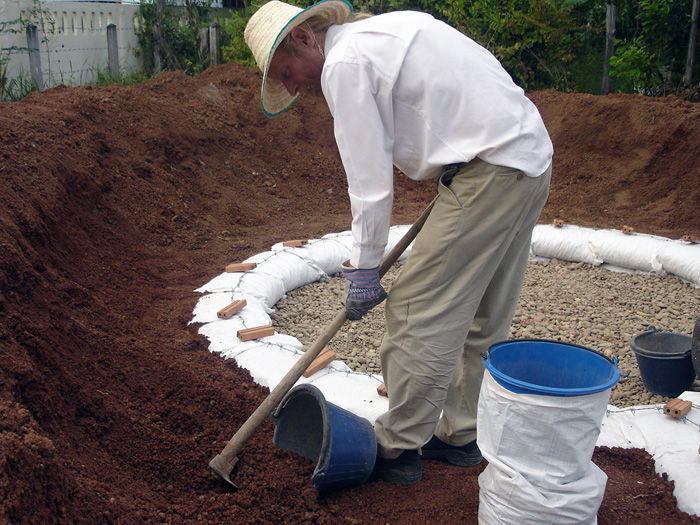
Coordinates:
[634,252]
[682,259]
[539,451]
[570,243]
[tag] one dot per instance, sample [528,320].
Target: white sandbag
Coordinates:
[354,392]
[343,238]
[294,271]
[539,450]
[344,242]
[206,309]
[673,443]
[267,359]
[633,251]
[682,259]
[568,243]
[326,254]
[222,333]
[264,287]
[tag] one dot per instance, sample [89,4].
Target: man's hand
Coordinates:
[364,290]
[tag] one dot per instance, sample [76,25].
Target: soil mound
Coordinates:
[118,201]
[624,160]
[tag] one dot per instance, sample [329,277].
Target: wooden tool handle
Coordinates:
[224,462]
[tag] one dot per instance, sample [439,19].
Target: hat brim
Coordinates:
[274,97]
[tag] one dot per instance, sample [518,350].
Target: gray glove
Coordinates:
[364,290]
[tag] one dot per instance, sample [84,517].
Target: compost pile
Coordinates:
[117,202]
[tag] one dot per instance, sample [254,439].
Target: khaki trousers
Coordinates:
[454,298]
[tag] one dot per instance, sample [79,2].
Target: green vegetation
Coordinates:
[651,46]
[19,87]
[13,89]
[105,78]
[550,43]
[542,43]
[180,29]
[234,48]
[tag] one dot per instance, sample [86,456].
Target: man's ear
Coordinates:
[301,36]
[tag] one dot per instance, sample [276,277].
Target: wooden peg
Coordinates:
[256,332]
[231,309]
[382,391]
[627,230]
[296,243]
[240,267]
[558,223]
[322,361]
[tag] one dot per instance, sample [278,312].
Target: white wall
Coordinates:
[76,46]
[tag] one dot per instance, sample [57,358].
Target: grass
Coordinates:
[14,89]
[105,78]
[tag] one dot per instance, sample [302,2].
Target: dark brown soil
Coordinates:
[118,202]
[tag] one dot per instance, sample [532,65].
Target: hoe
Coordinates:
[223,463]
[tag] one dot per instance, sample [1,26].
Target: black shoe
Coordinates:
[468,455]
[404,470]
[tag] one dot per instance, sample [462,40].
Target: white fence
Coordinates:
[72,40]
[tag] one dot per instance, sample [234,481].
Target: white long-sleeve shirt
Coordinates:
[408,90]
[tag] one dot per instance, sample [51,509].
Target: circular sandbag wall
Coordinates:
[573,302]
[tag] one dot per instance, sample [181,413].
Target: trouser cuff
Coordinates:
[388,453]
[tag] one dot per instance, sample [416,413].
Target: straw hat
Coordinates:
[269,26]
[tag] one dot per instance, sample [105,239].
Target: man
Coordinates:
[409,91]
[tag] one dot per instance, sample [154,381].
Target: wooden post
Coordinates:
[690,60]
[609,47]
[34,57]
[158,36]
[214,44]
[204,44]
[157,64]
[112,51]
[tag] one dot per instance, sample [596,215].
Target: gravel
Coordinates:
[572,302]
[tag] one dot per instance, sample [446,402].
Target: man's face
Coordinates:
[298,68]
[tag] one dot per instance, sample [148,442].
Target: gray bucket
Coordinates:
[664,360]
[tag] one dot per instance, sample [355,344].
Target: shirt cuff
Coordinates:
[366,258]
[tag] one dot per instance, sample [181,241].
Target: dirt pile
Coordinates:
[117,202]
[624,160]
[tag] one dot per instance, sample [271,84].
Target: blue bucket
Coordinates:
[550,368]
[342,444]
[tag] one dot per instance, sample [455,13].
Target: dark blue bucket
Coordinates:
[550,368]
[342,444]
[665,361]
